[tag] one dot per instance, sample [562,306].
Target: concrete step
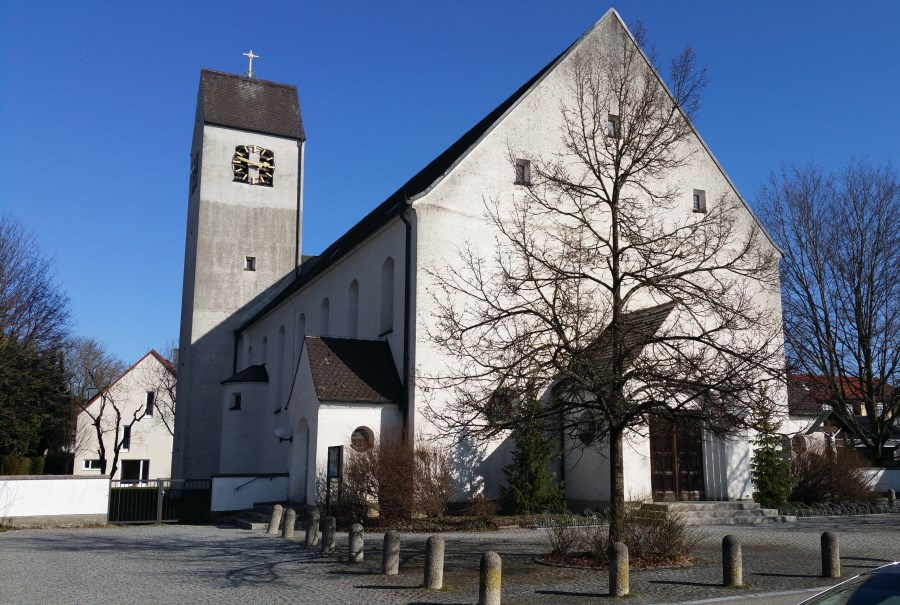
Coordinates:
[742,520]
[719,513]
[257,518]
[702,506]
[725,514]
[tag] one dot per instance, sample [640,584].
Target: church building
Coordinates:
[283,356]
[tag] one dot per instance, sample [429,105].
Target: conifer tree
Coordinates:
[770,474]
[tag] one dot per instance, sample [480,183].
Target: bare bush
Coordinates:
[481,507]
[393,481]
[652,537]
[432,487]
[563,536]
[821,476]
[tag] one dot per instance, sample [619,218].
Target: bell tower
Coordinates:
[245,206]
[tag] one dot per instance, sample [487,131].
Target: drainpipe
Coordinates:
[407,312]
[237,338]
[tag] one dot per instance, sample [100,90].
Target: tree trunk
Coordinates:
[617,486]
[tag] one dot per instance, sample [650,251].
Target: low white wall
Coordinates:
[885,479]
[53,500]
[237,492]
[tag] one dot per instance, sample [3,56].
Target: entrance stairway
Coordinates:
[257,518]
[721,513]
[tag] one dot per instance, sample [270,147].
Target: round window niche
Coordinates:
[362,439]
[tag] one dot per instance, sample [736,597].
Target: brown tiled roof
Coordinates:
[639,328]
[800,401]
[250,104]
[249,374]
[353,369]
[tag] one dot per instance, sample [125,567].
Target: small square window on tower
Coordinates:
[612,126]
[235,401]
[250,263]
[523,172]
[699,200]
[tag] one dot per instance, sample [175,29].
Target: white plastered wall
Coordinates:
[451,215]
[150,439]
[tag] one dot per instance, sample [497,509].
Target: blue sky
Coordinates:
[97,101]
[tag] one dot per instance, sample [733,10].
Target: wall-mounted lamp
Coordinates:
[283,435]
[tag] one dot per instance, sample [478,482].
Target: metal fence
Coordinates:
[160,501]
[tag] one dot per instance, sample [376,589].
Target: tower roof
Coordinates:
[250,104]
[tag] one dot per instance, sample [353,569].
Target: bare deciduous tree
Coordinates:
[604,284]
[34,314]
[841,288]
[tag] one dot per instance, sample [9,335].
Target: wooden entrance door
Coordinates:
[676,460]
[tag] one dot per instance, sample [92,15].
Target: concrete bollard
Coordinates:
[732,565]
[390,554]
[356,538]
[434,563]
[290,519]
[275,521]
[312,527]
[328,529]
[489,581]
[831,556]
[892,496]
[619,579]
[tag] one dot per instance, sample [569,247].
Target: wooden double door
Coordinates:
[676,460]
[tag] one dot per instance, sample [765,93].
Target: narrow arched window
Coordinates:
[387,295]
[353,309]
[326,316]
[280,362]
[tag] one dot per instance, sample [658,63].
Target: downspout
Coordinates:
[234,356]
[407,312]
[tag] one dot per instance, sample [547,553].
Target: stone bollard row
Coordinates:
[328,530]
[831,556]
[290,519]
[356,539]
[490,579]
[312,527]
[732,564]
[390,554]
[619,576]
[434,563]
[275,521]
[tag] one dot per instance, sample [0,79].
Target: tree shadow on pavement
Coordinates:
[566,593]
[684,583]
[785,575]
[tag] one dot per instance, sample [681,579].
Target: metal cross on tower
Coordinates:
[252,56]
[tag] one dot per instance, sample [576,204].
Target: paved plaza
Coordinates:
[194,564]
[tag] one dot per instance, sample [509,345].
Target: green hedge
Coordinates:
[21,465]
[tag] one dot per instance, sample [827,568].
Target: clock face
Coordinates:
[253,165]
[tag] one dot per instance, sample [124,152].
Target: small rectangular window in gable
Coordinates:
[126,438]
[151,396]
[699,200]
[612,126]
[235,401]
[523,172]
[250,263]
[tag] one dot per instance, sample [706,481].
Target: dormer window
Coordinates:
[523,172]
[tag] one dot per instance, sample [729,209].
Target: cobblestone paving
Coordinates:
[182,564]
